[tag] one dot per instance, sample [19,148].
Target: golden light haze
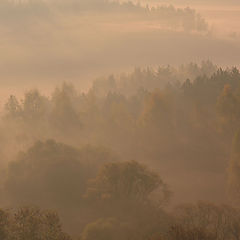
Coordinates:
[119,120]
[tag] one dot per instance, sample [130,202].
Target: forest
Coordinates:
[150,154]
[119,120]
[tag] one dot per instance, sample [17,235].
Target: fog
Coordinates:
[119,120]
[53,41]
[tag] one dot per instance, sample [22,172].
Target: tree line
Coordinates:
[108,160]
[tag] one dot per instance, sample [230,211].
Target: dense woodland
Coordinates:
[146,153]
[149,155]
